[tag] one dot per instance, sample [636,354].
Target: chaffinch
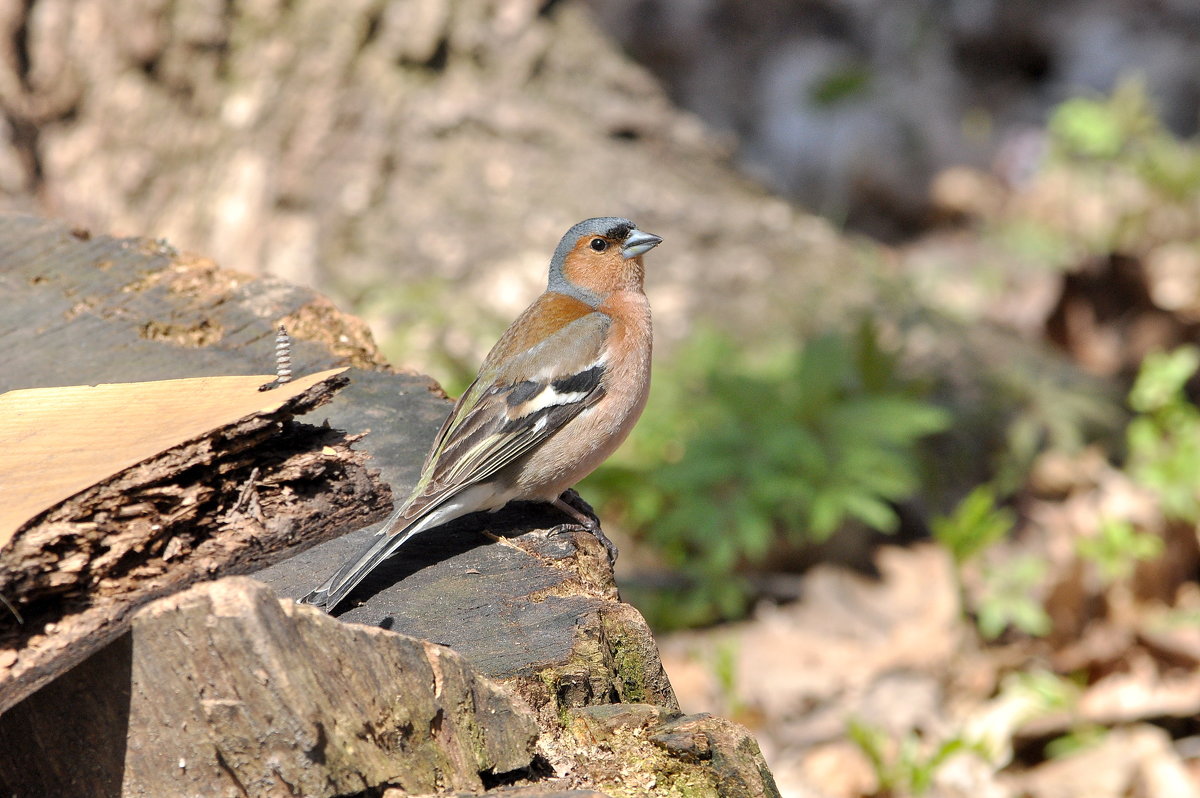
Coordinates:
[556,395]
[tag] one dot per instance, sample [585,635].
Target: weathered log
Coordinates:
[79,309]
[541,613]
[226,690]
[228,500]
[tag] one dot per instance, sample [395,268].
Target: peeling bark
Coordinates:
[229,502]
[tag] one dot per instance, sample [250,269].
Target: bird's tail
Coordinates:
[346,578]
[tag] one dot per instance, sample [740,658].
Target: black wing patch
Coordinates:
[583,382]
[523,391]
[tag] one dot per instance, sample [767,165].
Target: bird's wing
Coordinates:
[523,394]
[511,408]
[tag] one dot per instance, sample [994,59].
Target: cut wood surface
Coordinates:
[54,442]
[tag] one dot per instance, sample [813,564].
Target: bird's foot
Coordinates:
[589,524]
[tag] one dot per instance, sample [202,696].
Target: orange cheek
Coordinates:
[587,269]
[603,272]
[576,268]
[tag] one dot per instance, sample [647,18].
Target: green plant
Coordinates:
[1082,127]
[1040,693]
[740,452]
[1008,598]
[1079,738]
[976,523]
[1048,409]
[1117,548]
[724,664]
[1164,437]
[1024,697]
[1043,692]
[1124,131]
[1114,180]
[906,766]
[847,83]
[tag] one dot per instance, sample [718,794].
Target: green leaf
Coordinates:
[1088,128]
[819,373]
[1161,379]
[871,511]
[846,83]
[976,524]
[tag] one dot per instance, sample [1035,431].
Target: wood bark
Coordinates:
[228,501]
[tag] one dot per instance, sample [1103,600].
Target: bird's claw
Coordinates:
[594,530]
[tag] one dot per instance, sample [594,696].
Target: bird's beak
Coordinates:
[638,243]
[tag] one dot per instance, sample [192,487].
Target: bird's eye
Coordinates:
[599,244]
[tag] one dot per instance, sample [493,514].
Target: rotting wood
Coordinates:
[55,442]
[229,501]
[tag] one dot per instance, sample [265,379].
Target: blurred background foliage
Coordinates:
[758,443]
[1060,479]
[741,454]
[748,453]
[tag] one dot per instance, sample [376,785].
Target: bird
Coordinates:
[556,395]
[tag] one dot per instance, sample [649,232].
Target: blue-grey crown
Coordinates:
[609,226]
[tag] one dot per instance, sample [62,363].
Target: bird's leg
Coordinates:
[588,523]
